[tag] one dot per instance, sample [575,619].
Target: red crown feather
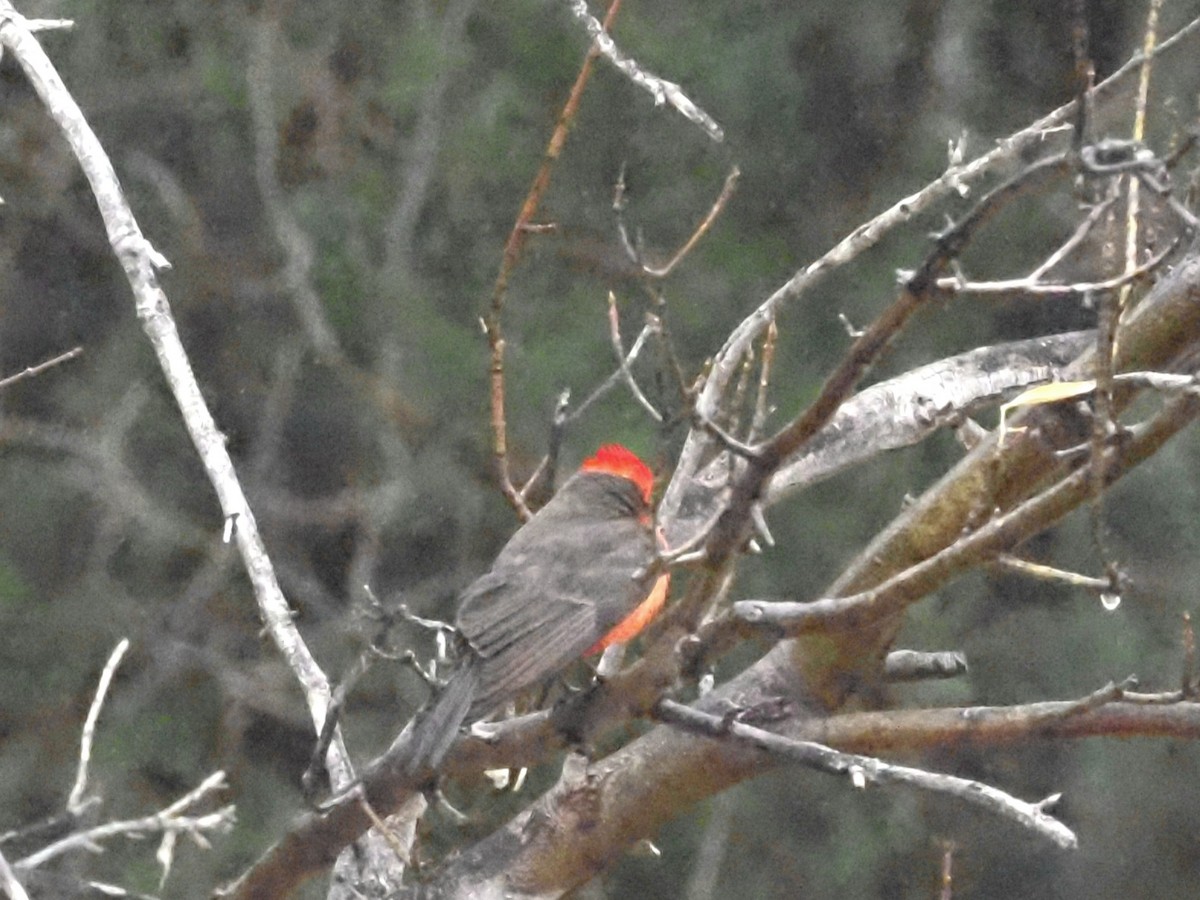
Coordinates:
[613,459]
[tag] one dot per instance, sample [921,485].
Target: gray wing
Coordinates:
[545,602]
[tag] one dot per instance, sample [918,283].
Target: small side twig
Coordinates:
[1052,574]
[75,801]
[947,891]
[41,367]
[702,229]
[725,439]
[614,331]
[615,378]
[170,819]
[1032,286]
[1093,218]
[660,89]
[381,826]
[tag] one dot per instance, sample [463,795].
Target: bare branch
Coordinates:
[905,410]
[41,367]
[635,791]
[170,819]
[998,535]
[688,245]
[614,332]
[863,769]
[512,254]
[867,236]
[141,262]
[660,89]
[75,801]
[9,882]
[1030,285]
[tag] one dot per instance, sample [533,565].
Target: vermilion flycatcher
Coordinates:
[574,579]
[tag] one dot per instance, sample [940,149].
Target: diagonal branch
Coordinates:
[660,89]
[523,226]
[141,262]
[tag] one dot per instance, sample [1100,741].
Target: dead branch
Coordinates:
[866,236]
[864,769]
[512,254]
[140,262]
[660,89]
[30,371]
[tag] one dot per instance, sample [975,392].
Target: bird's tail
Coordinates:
[433,729]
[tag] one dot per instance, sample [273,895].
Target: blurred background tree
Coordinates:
[333,184]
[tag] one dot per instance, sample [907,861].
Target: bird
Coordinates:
[577,577]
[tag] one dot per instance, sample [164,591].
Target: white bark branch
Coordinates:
[141,262]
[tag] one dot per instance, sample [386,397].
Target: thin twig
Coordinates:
[48,24]
[1095,214]
[1051,574]
[660,89]
[168,819]
[512,254]
[615,378]
[75,800]
[662,325]
[727,440]
[614,333]
[761,409]
[1029,285]
[701,229]
[401,851]
[41,367]
[947,875]
[731,418]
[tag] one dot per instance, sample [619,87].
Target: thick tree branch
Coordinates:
[593,814]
